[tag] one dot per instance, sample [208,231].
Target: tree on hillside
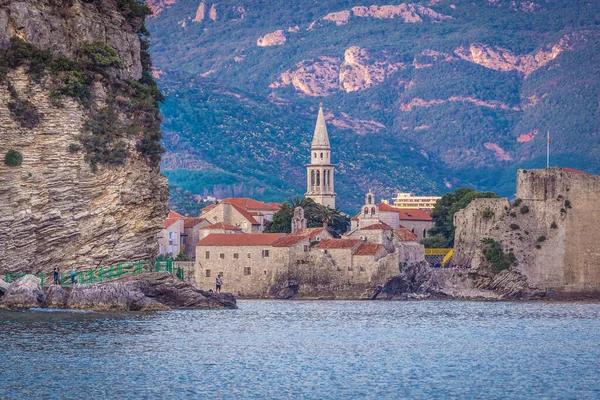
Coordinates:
[316,215]
[442,233]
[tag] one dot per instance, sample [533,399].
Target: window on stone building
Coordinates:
[318,178]
[208,273]
[247,271]
[325,251]
[305,248]
[372,211]
[207,255]
[265,271]
[321,156]
[315,154]
[222,256]
[350,268]
[265,253]
[236,255]
[424,233]
[312,178]
[249,255]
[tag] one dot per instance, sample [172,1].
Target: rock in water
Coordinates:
[148,292]
[23,294]
[3,287]
[56,297]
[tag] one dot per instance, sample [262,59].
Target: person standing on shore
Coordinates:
[56,276]
[73,275]
[219,282]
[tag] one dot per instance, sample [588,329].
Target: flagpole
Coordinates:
[548,152]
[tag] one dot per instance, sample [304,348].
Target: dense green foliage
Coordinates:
[495,255]
[442,233]
[316,216]
[13,158]
[132,110]
[234,121]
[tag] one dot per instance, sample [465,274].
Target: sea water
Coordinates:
[307,349]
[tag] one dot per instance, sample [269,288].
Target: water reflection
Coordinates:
[275,349]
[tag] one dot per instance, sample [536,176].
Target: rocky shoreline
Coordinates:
[147,292]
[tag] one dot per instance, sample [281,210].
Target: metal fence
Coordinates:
[109,273]
[439,257]
[10,278]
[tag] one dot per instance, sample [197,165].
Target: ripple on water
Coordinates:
[310,349]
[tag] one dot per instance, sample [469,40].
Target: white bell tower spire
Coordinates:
[319,173]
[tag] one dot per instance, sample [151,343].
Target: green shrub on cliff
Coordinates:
[101,144]
[494,254]
[442,232]
[98,56]
[13,158]
[25,113]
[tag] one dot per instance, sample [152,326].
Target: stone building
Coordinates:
[415,220]
[309,260]
[171,239]
[191,234]
[320,171]
[247,214]
[552,230]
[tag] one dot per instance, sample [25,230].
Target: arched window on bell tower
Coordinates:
[312,178]
[318,178]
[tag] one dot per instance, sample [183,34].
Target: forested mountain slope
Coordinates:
[421,96]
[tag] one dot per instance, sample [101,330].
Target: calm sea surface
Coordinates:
[314,349]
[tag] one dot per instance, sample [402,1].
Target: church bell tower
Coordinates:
[319,173]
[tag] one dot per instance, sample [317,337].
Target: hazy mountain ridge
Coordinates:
[461,91]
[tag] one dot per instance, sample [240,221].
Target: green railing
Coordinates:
[10,278]
[109,273]
[118,271]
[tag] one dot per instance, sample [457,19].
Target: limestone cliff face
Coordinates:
[65,25]
[500,59]
[552,231]
[359,70]
[54,210]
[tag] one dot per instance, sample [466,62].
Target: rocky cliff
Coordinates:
[79,130]
[548,235]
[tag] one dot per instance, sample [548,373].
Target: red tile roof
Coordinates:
[368,249]
[294,238]
[209,207]
[221,225]
[170,221]
[405,235]
[173,214]
[240,239]
[251,204]
[414,215]
[354,218]
[379,226]
[387,207]
[191,222]
[245,214]
[338,244]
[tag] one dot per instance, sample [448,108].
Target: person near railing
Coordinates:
[73,276]
[56,276]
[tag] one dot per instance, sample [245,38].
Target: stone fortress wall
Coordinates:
[553,231]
